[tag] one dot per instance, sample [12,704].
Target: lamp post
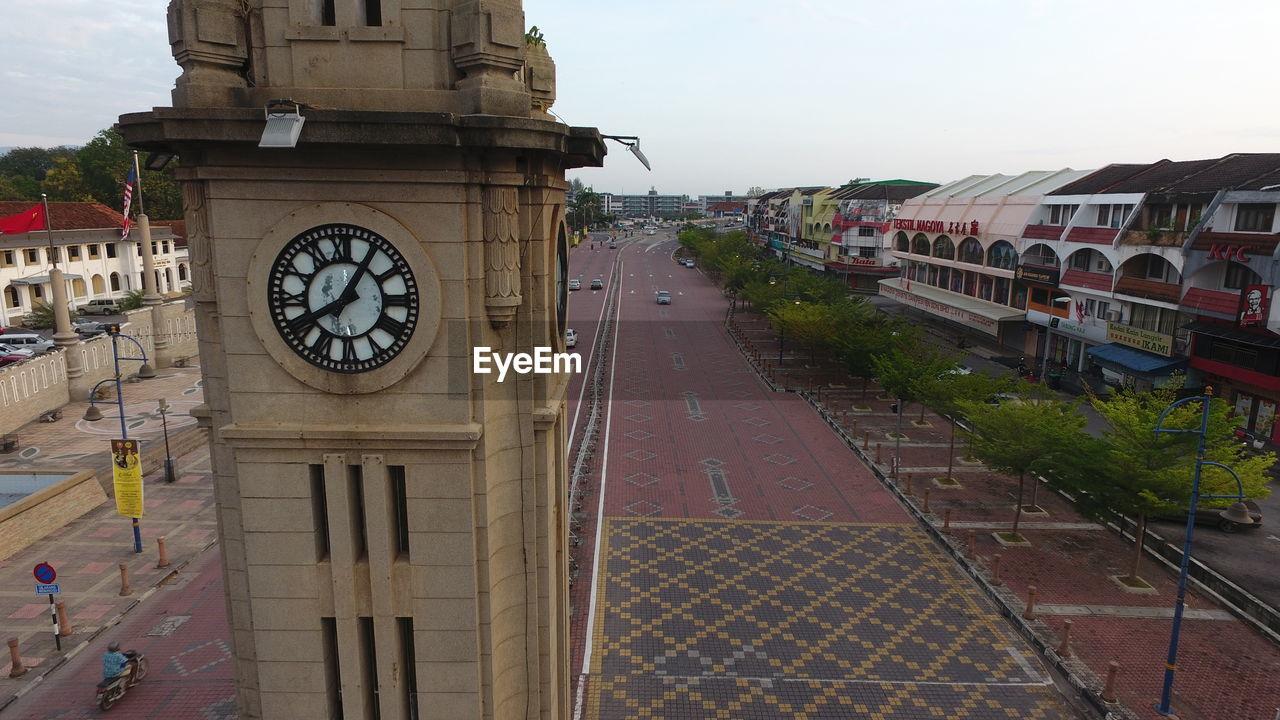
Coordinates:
[1048,337]
[1238,512]
[163,407]
[93,414]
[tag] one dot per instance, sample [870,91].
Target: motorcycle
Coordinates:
[112,689]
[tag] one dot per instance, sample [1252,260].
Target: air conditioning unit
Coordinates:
[1113,316]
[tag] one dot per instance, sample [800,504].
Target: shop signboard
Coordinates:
[1151,341]
[1038,274]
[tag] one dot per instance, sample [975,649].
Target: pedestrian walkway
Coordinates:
[88,553]
[1226,668]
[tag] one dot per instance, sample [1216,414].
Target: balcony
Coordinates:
[1154,237]
[1148,289]
[1092,235]
[1223,302]
[1087,280]
[1042,232]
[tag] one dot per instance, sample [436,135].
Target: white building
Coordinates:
[85,243]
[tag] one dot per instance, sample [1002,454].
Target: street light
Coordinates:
[163,407]
[1238,512]
[1048,337]
[93,414]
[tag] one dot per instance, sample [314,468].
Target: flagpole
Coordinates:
[48,229]
[137,182]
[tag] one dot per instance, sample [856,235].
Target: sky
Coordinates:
[726,96]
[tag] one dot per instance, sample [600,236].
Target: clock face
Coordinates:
[343,298]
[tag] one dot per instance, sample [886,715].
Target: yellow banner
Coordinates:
[126,471]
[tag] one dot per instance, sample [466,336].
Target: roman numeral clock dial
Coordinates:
[343,298]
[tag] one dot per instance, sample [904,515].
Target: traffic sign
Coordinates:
[47,589]
[44,573]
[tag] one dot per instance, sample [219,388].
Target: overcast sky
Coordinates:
[728,95]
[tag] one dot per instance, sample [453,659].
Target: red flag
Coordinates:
[128,201]
[24,222]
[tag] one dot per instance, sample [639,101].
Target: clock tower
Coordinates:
[372,189]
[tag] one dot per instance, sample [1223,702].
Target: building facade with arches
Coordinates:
[85,244]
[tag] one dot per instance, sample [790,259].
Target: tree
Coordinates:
[860,333]
[132,300]
[905,370]
[585,209]
[65,182]
[807,322]
[32,163]
[41,316]
[948,393]
[1027,437]
[1133,471]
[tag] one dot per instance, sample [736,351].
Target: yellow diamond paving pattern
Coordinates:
[741,620]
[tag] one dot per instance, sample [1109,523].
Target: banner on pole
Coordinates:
[126,471]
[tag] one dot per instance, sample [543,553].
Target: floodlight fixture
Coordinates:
[633,146]
[284,124]
[157,161]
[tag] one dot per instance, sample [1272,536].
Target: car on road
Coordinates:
[597,284]
[664,297]
[22,352]
[570,338]
[9,359]
[690,263]
[89,328]
[575,284]
[613,245]
[100,306]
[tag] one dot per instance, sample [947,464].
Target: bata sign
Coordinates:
[938,226]
[1153,342]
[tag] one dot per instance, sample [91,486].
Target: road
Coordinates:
[739,559]
[182,629]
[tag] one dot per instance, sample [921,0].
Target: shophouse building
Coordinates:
[861,213]
[85,244]
[956,250]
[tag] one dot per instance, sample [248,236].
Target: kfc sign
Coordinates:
[1229,252]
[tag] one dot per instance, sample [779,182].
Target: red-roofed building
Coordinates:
[85,243]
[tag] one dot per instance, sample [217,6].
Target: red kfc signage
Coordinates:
[1229,252]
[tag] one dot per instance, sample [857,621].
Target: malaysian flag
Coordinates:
[128,200]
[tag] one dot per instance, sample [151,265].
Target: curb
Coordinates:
[116,619]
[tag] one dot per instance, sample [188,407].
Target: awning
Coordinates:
[1132,361]
[42,279]
[1226,332]
[969,311]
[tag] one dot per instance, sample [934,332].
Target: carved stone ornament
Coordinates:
[197,215]
[540,76]
[207,39]
[501,227]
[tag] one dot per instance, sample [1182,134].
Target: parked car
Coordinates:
[1214,517]
[21,352]
[597,284]
[101,306]
[89,328]
[575,284]
[664,297]
[570,338]
[9,359]
[29,341]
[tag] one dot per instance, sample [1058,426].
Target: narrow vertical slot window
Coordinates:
[332,676]
[400,510]
[355,500]
[373,13]
[328,14]
[409,667]
[369,670]
[319,511]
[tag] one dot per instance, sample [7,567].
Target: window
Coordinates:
[6,258]
[867,252]
[1255,217]
[164,246]
[1113,215]
[32,255]
[355,501]
[332,676]
[55,255]
[1239,277]
[319,511]
[1061,214]
[866,231]
[399,509]
[37,291]
[369,667]
[93,251]
[328,14]
[1080,261]
[111,250]
[73,252]
[1159,216]
[408,665]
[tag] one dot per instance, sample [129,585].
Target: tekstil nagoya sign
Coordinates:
[1152,342]
[938,226]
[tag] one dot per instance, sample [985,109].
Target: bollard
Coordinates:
[995,569]
[909,490]
[17,670]
[926,500]
[1030,612]
[879,447]
[973,540]
[124,580]
[163,562]
[866,439]
[1064,647]
[1109,692]
[64,623]
[946,521]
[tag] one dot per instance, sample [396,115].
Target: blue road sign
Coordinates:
[44,573]
[51,589]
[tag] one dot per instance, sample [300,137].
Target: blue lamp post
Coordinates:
[93,413]
[1238,512]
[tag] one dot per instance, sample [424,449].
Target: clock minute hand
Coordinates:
[349,294]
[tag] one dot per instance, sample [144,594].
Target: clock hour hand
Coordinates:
[329,309]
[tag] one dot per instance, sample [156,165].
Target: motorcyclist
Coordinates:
[114,662]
